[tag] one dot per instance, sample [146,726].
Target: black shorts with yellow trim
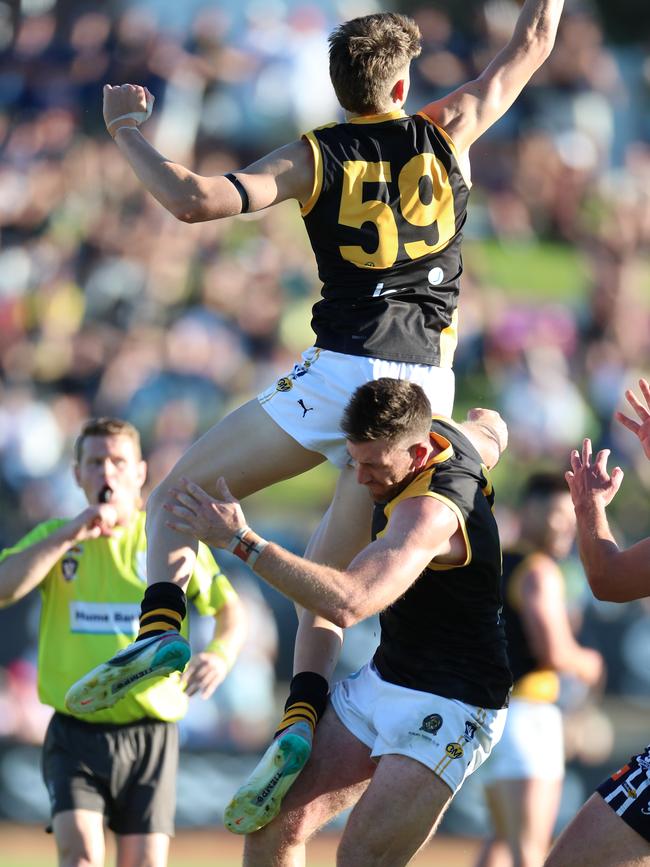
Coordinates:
[628,793]
[126,772]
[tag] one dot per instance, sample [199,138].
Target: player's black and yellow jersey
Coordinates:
[90,607]
[533,682]
[385,220]
[445,635]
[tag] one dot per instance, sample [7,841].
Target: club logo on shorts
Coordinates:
[454,750]
[69,568]
[431,723]
[284,384]
[629,790]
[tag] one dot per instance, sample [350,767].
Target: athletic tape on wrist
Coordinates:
[246,551]
[138,116]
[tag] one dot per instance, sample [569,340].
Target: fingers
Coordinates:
[224,491]
[644,385]
[204,675]
[575,461]
[600,464]
[627,422]
[586,452]
[636,404]
[616,478]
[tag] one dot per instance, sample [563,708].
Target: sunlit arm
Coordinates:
[469,111]
[420,528]
[24,570]
[614,574]
[283,174]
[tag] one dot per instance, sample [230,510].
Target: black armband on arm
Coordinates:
[243,195]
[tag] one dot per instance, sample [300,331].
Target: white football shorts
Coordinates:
[450,737]
[309,400]
[532,746]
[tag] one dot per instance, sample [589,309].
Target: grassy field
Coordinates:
[29,846]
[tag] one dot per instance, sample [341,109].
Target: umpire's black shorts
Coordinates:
[127,772]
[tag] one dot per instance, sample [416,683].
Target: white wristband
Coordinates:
[247,551]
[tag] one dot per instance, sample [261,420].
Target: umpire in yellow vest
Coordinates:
[118,763]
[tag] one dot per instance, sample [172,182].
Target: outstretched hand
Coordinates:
[126,105]
[641,428]
[589,481]
[197,514]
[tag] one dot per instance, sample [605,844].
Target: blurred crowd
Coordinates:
[110,306]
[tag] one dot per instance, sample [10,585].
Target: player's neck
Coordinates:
[390,109]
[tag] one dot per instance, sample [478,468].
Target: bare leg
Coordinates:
[79,836]
[142,850]
[250,451]
[380,831]
[597,837]
[523,815]
[336,776]
[342,533]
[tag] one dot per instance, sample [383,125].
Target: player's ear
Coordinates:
[419,454]
[142,472]
[76,473]
[398,93]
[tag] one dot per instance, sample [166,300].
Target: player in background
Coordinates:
[383,196]
[117,764]
[523,779]
[613,828]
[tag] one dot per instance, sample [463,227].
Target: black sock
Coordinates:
[307,700]
[163,609]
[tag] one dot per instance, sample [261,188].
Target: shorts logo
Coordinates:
[69,568]
[454,750]
[303,406]
[431,723]
[470,731]
[284,384]
[629,790]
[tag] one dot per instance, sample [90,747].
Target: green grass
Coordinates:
[536,271]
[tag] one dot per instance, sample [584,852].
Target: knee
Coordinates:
[79,856]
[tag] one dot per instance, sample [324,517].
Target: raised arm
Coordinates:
[614,574]
[25,568]
[287,173]
[466,113]
[420,529]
